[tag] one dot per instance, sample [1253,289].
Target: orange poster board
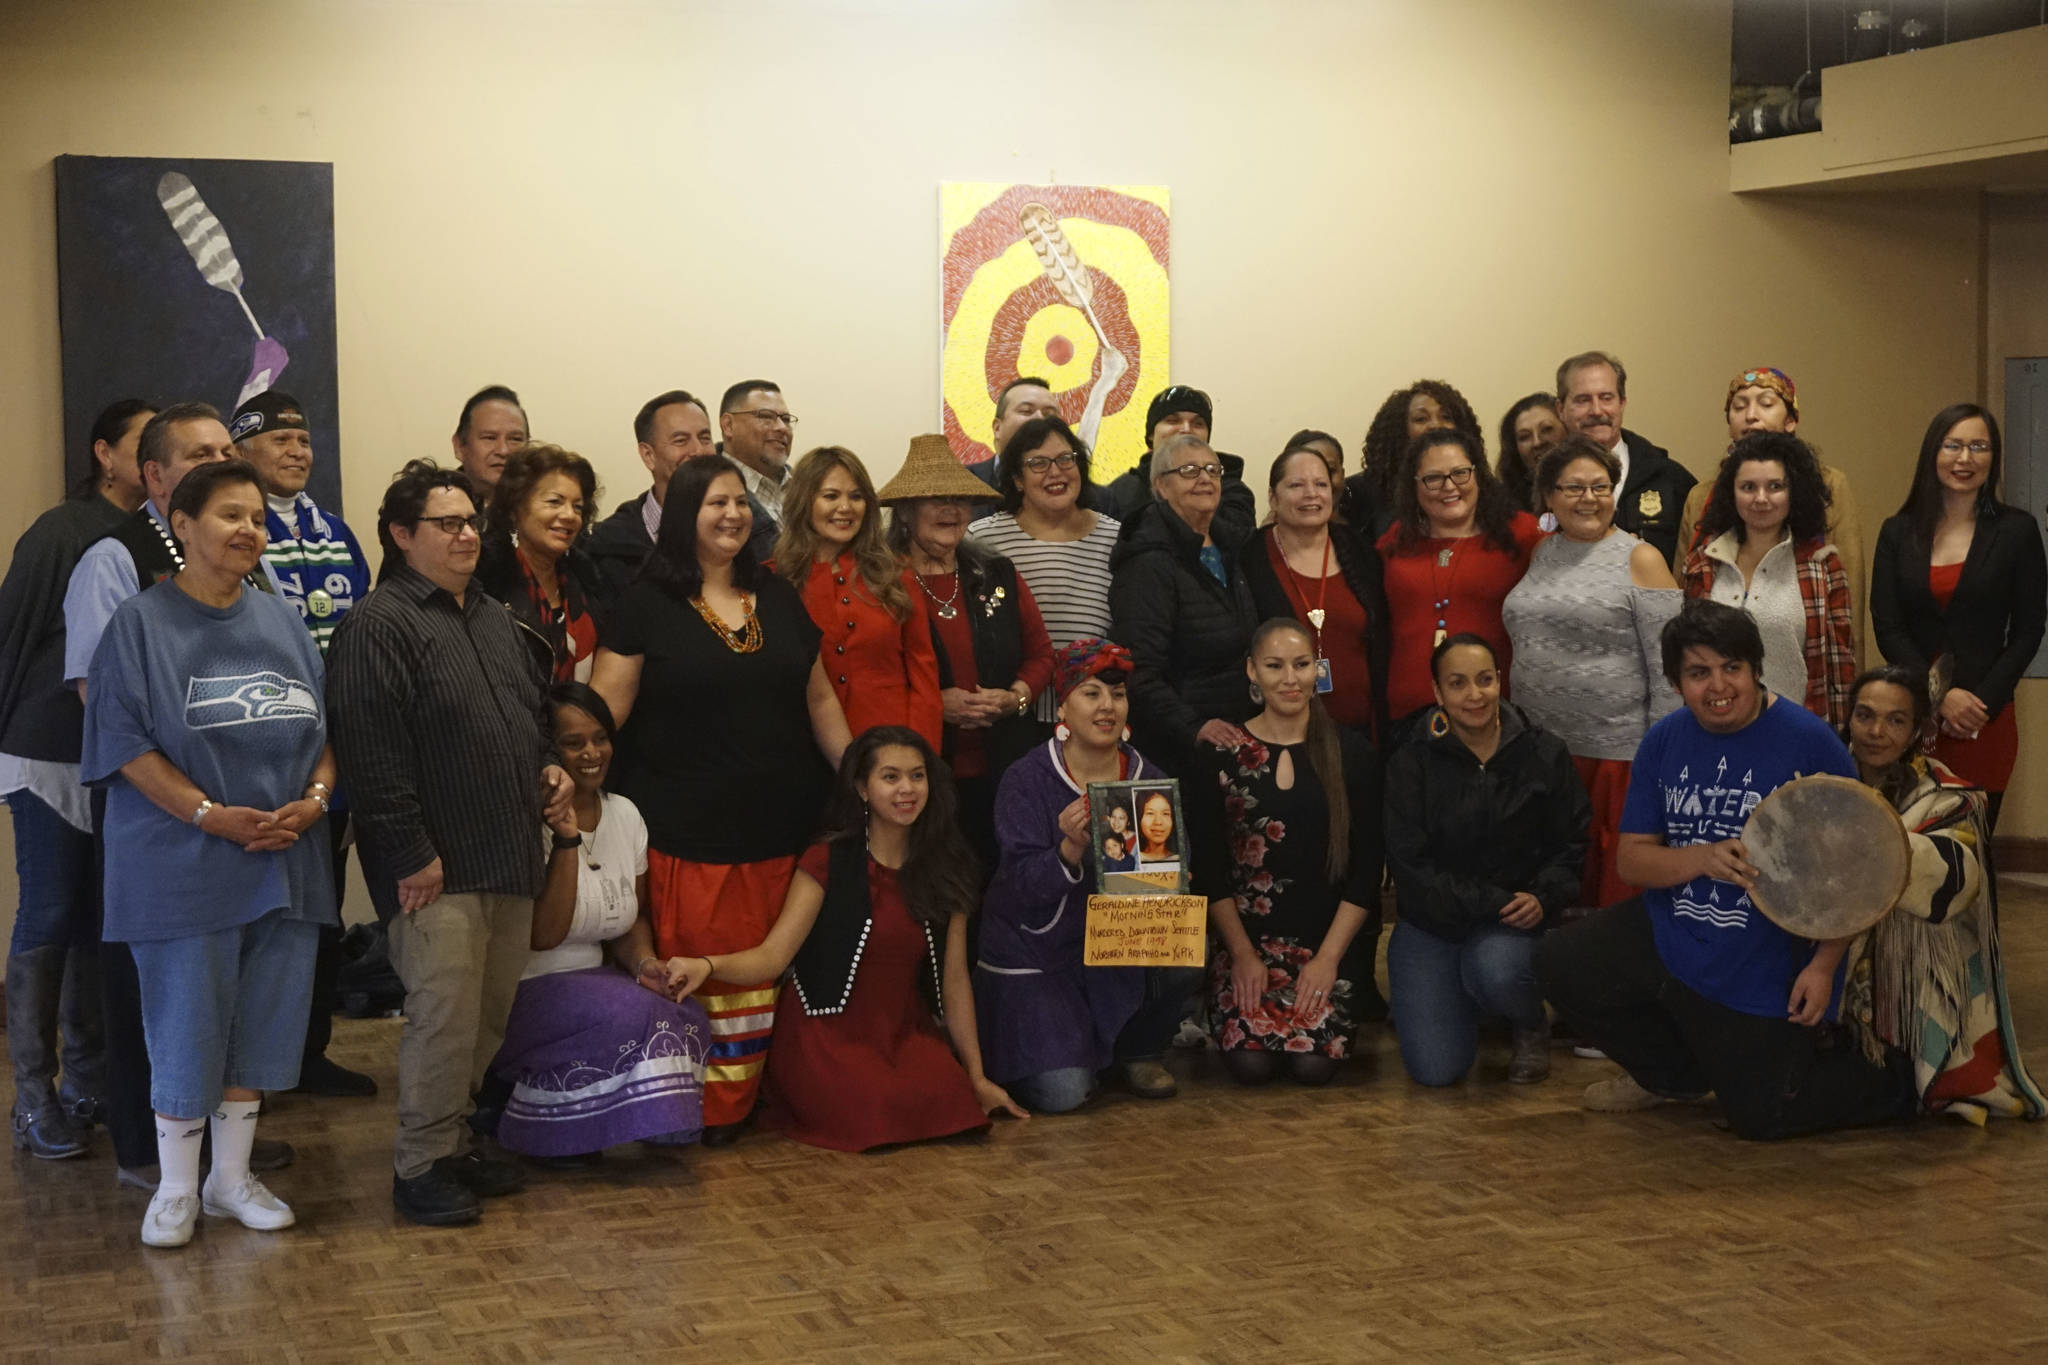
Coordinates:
[1146,931]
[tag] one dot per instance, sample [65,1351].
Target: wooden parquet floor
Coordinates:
[1370,1220]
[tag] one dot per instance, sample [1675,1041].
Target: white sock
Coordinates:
[234,1133]
[177,1154]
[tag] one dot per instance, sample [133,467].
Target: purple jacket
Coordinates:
[1039,1008]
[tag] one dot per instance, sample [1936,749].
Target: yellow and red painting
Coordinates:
[1064,282]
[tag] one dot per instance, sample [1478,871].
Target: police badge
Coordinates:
[1649,503]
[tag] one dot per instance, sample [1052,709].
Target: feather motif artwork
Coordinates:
[207,242]
[1058,259]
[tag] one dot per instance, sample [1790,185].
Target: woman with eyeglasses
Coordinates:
[878,644]
[1060,547]
[1959,594]
[1585,621]
[1457,546]
[1762,546]
[993,654]
[533,559]
[1182,606]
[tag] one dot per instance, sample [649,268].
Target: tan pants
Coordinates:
[460,958]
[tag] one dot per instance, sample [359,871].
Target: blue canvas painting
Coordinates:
[184,278]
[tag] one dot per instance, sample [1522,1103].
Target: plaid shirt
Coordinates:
[1830,620]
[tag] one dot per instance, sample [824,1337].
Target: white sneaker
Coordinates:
[249,1203]
[1589,1052]
[169,1220]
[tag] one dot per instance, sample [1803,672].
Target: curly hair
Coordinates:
[1024,440]
[1494,511]
[796,549]
[523,472]
[1386,440]
[1808,517]
[1508,464]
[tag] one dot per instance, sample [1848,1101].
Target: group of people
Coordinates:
[767,796]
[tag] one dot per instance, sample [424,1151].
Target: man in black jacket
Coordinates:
[1019,401]
[1180,411]
[670,428]
[1592,392]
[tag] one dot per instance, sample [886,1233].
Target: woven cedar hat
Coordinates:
[931,471]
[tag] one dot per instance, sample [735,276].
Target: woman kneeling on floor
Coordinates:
[594,1056]
[1286,833]
[1929,978]
[1486,838]
[858,1060]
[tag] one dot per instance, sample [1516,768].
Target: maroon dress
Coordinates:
[880,1072]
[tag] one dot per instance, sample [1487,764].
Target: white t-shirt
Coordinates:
[612,858]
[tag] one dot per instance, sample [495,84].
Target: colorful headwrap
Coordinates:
[1764,377]
[1084,659]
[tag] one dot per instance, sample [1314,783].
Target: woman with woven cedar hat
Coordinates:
[877,647]
[993,654]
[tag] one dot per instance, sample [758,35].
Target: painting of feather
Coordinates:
[188,278]
[1066,283]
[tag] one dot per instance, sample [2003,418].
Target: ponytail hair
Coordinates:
[1325,757]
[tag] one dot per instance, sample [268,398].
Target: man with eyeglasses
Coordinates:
[1763,398]
[1592,397]
[1180,411]
[670,428]
[759,430]
[438,718]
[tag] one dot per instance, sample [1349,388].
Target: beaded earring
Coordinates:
[1063,734]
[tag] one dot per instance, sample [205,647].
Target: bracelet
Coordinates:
[641,965]
[564,845]
[710,969]
[319,798]
[316,785]
[205,805]
[1023,703]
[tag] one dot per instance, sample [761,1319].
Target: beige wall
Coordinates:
[2016,324]
[594,202]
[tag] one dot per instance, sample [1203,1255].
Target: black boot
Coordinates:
[35,979]
[83,1090]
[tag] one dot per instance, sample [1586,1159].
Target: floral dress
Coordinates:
[1266,845]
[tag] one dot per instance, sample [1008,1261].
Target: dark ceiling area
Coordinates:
[1778,41]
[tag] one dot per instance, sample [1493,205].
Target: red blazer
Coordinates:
[884,671]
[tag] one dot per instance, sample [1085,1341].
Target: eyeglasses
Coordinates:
[774,418]
[453,526]
[1191,471]
[1974,447]
[1457,478]
[1038,464]
[1575,491]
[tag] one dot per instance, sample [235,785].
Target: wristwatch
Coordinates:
[205,805]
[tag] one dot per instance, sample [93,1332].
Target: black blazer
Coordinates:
[1993,624]
[1359,563]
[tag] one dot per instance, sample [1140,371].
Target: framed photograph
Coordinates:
[1139,837]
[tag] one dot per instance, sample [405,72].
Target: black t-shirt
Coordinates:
[718,754]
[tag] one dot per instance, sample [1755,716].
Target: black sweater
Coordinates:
[41,718]
[1463,837]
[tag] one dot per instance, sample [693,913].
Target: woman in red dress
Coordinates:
[1458,545]
[878,646]
[874,935]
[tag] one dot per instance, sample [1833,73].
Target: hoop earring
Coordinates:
[1439,723]
[1062,733]
[1258,696]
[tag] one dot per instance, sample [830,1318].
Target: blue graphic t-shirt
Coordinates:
[1693,786]
[232,696]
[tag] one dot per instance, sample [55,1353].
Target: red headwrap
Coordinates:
[1084,659]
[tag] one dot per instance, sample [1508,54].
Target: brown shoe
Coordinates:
[1150,1081]
[1531,1060]
[1621,1095]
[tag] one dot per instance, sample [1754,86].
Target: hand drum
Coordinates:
[1831,857]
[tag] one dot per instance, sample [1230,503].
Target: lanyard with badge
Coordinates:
[1315,614]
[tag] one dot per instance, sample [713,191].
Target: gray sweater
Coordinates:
[1587,664]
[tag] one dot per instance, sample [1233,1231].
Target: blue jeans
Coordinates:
[1054,1092]
[225,1009]
[53,862]
[1145,1038]
[1441,990]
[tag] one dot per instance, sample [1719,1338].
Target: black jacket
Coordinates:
[1464,837]
[1993,624]
[40,717]
[1237,516]
[989,595]
[1359,563]
[498,573]
[1363,510]
[619,544]
[1652,501]
[1187,633]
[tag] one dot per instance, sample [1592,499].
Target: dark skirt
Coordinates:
[598,1059]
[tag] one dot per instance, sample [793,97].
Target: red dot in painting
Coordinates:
[1059,350]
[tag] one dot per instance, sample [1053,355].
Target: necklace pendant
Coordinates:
[1315,617]
[1443,556]
[948,611]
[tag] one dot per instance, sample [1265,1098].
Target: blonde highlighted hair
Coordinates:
[796,549]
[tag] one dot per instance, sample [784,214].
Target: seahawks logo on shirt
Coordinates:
[247,698]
